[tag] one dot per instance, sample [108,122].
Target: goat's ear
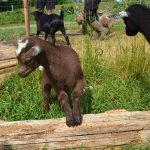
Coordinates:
[34,51]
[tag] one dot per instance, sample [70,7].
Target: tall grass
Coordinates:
[121,83]
[11,34]
[118,81]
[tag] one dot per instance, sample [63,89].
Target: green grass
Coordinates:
[125,84]
[122,148]
[26,103]
[9,17]
[11,34]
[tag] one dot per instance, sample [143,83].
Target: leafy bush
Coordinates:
[68,10]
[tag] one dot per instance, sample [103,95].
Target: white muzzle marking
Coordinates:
[123,14]
[120,15]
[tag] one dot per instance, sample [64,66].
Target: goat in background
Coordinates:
[50,24]
[137,19]
[103,27]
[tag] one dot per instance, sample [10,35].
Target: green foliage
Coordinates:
[68,10]
[125,3]
[64,1]
[11,34]
[9,17]
[136,1]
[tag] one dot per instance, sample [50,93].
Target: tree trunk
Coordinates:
[113,128]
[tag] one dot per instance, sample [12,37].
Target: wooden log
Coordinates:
[7,70]
[97,131]
[7,52]
[7,63]
[7,56]
[5,76]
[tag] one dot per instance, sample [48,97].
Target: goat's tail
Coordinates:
[62,13]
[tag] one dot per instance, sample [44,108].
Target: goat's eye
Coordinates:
[28,62]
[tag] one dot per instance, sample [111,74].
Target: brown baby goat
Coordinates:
[62,71]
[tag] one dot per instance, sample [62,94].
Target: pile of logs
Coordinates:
[7,60]
[98,131]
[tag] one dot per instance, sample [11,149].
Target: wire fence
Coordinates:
[12,14]
[6,5]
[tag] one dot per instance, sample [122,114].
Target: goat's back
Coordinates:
[63,61]
[45,22]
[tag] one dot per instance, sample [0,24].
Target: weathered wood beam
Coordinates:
[8,63]
[113,128]
[5,76]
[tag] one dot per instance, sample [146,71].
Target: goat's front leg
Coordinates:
[46,35]
[46,89]
[76,94]
[38,32]
[53,39]
[84,27]
[63,99]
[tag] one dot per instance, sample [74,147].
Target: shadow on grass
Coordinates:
[86,101]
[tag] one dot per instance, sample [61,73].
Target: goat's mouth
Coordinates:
[24,74]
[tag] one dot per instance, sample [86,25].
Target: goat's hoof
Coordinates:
[69,122]
[77,120]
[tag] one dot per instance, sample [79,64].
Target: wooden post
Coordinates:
[98,131]
[26,16]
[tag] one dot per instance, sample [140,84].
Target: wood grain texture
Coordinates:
[7,60]
[115,128]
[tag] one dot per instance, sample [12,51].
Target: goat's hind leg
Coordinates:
[63,99]
[53,38]
[37,33]
[65,35]
[75,96]
[46,35]
[46,89]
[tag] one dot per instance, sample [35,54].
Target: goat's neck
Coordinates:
[42,60]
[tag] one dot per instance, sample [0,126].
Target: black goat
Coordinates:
[50,24]
[137,19]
